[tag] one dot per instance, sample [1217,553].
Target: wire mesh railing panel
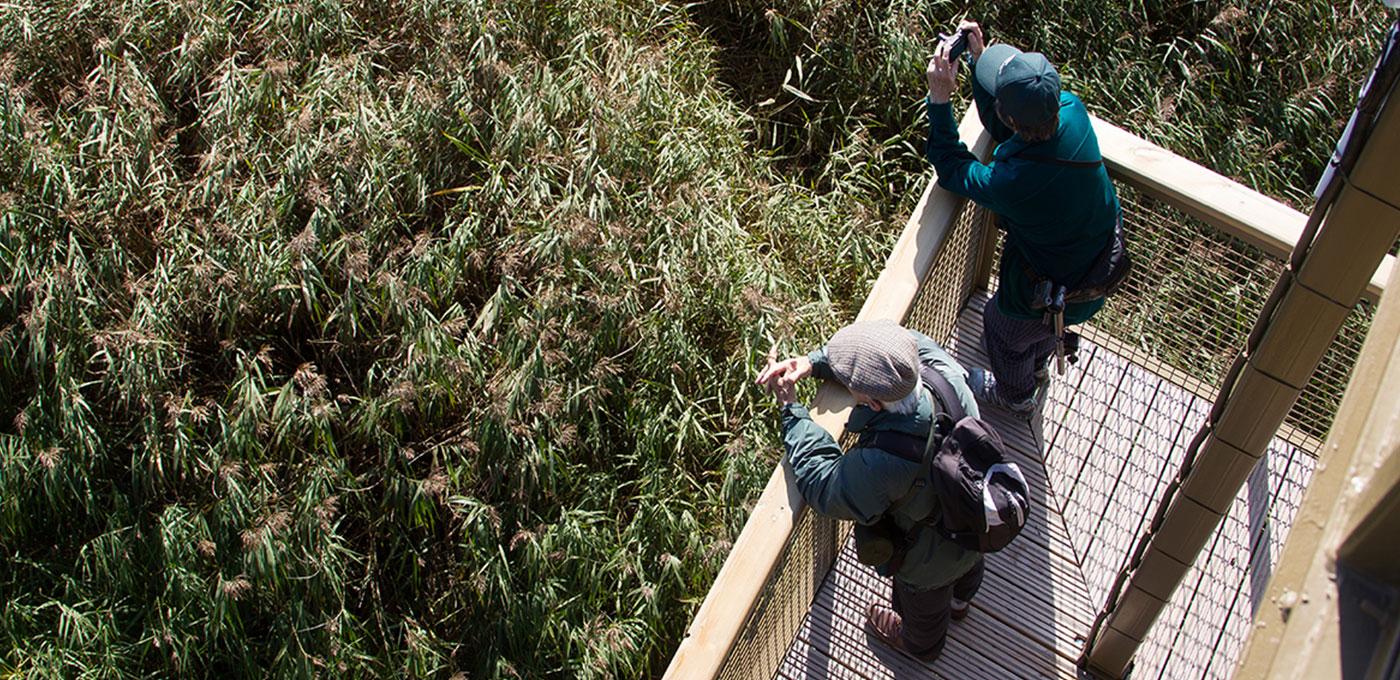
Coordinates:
[1209,288]
[1194,294]
[1114,434]
[1113,478]
[1068,447]
[1185,313]
[1203,629]
[1268,527]
[949,281]
[774,621]
[1114,438]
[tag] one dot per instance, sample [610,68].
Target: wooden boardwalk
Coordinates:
[1111,434]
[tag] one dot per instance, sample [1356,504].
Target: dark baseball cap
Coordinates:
[1024,83]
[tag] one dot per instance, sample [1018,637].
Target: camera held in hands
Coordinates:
[957,42]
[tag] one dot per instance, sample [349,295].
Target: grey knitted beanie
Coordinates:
[878,358]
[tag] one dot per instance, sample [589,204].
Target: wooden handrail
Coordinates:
[758,549]
[1222,202]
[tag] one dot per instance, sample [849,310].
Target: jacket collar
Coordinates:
[1016,145]
[865,418]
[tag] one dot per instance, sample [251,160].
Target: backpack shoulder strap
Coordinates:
[914,448]
[943,392]
[910,447]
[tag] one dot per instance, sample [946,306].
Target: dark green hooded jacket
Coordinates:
[1057,218]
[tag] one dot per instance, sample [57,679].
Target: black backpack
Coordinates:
[984,498]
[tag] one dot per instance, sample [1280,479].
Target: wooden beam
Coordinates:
[757,551]
[1220,201]
[1355,237]
[1295,632]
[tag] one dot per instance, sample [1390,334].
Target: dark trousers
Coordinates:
[926,613]
[1015,348]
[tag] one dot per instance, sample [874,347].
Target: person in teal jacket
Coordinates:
[1050,192]
[878,362]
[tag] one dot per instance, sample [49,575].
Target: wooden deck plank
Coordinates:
[808,660]
[1057,579]
[1039,627]
[1016,432]
[1076,449]
[849,602]
[838,622]
[1064,397]
[1086,511]
[967,347]
[1005,637]
[979,646]
[1059,616]
[1052,535]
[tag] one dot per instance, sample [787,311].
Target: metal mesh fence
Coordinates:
[1187,310]
[1191,300]
[1194,292]
[950,280]
[1184,313]
[1203,629]
[777,615]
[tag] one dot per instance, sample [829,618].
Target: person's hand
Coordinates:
[780,377]
[942,76]
[976,42]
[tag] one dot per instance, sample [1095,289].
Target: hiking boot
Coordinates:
[960,609]
[886,624]
[985,388]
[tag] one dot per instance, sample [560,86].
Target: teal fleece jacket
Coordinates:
[864,483]
[1057,218]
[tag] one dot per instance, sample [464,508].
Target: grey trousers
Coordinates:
[926,613]
[1015,348]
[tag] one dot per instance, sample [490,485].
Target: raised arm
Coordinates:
[958,170]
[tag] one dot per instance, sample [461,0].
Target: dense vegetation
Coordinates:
[412,338]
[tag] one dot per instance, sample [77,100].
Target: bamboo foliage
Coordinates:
[361,339]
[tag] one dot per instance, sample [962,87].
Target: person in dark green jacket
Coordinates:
[1050,192]
[878,362]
